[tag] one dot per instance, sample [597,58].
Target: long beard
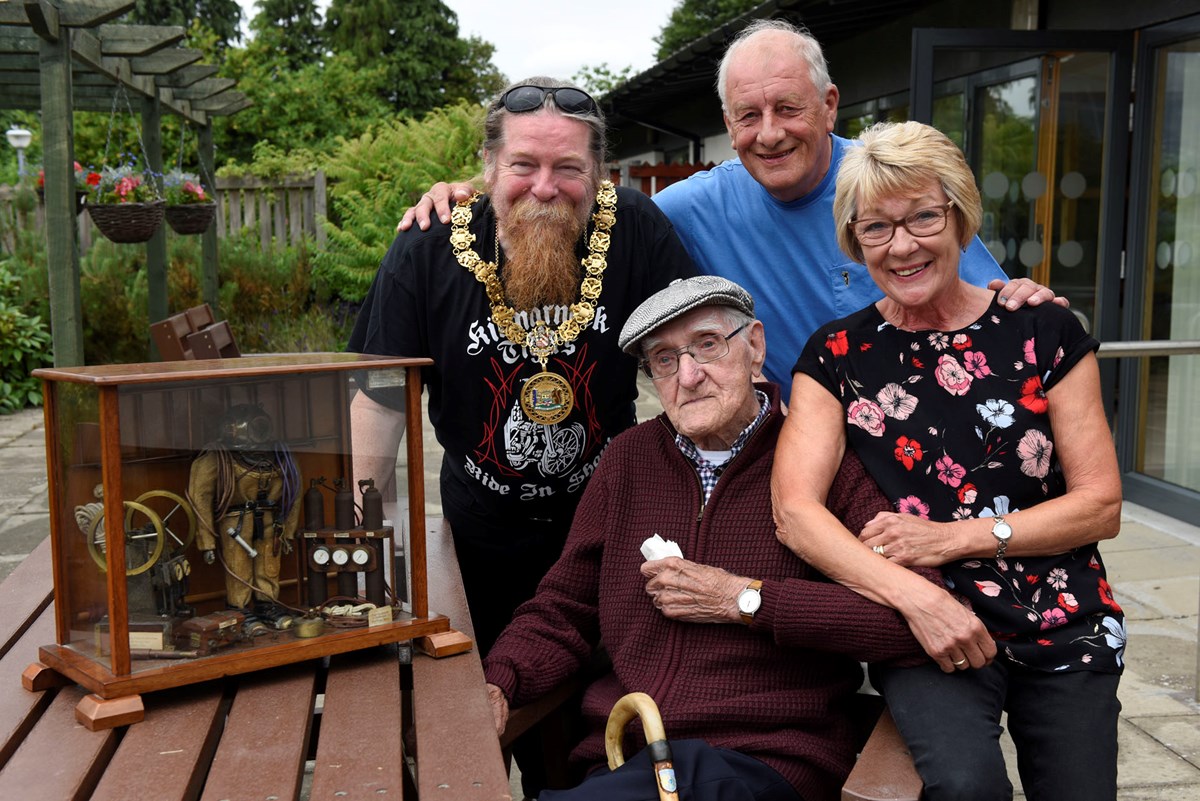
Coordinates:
[541,267]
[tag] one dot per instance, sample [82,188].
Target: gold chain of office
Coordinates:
[547,398]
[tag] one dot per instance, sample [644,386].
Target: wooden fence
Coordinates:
[280,211]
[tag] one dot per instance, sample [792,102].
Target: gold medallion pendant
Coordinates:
[547,398]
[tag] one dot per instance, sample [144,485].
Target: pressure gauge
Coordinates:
[361,556]
[340,557]
[321,556]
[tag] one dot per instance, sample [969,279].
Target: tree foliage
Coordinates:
[223,17]
[415,41]
[292,29]
[600,80]
[294,108]
[693,19]
[383,172]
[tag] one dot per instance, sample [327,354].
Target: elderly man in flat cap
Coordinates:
[750,654]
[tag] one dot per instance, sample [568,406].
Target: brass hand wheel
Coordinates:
[150,525]
[624,710]
[178,519]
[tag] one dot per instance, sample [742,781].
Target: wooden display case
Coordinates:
[147,610]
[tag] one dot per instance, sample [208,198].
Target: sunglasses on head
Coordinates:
[524,98]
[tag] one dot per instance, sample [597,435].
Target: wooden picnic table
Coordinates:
[369,724]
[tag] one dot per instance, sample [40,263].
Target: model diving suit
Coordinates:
[244,488]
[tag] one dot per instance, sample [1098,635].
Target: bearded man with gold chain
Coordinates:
[519,301]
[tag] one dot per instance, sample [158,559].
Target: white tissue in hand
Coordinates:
[657,548]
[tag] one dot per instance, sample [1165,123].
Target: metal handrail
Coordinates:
[1148,347]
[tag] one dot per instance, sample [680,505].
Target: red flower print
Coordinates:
[1067,601]
[1032,578]
[917,363]
[961,342]
[1033,397]
[967,493]
[1106,595]
[1044,641]
[837,343]
[908,451]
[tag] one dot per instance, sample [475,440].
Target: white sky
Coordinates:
[543,37]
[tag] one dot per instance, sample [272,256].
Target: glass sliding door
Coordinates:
[1169,265]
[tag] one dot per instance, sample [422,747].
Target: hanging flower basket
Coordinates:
[127,222]
[191,218]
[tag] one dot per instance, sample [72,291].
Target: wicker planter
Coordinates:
[191,218]
[127,222]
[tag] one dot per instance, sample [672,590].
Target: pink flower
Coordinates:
[912,505]
[1052,618]
[951,376]
[867,415]
[895,402]
[976,364]
[950,473]
[1034,449]
[1030,352]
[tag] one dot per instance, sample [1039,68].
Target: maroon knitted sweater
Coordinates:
[777,691]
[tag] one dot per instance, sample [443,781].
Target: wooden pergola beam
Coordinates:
[138,40]
[186,76]
[205,88]
[164,61]
[72,14]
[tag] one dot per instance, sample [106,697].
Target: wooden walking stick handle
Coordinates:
[626,709]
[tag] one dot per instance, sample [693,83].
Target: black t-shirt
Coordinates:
[423,303]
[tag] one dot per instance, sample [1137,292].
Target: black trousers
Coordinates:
[702,773]
[1064,726]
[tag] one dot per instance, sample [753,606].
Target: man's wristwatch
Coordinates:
[749,600]
[1002,531]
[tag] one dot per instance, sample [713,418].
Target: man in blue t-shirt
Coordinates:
[765,219]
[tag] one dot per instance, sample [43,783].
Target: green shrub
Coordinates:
[379,175]
[24,346]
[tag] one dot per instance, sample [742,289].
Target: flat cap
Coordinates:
[681,296]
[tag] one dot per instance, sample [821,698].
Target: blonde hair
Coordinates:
[899,158]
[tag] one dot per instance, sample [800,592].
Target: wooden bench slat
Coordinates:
[167,755]
[358,751]
[458,757]
[266,737]
[24,595]
[59,760]
[19,708]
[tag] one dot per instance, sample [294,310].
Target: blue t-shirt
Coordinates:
[784,254]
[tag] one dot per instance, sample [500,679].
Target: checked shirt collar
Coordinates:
[709,472]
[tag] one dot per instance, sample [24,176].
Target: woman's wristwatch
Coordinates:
[1002,531]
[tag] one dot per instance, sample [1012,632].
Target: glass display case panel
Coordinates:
[211,512]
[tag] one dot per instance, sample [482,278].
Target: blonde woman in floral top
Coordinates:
[985,429]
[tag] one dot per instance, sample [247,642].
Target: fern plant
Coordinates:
[379,175]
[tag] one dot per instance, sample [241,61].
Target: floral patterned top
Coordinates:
[953,425]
